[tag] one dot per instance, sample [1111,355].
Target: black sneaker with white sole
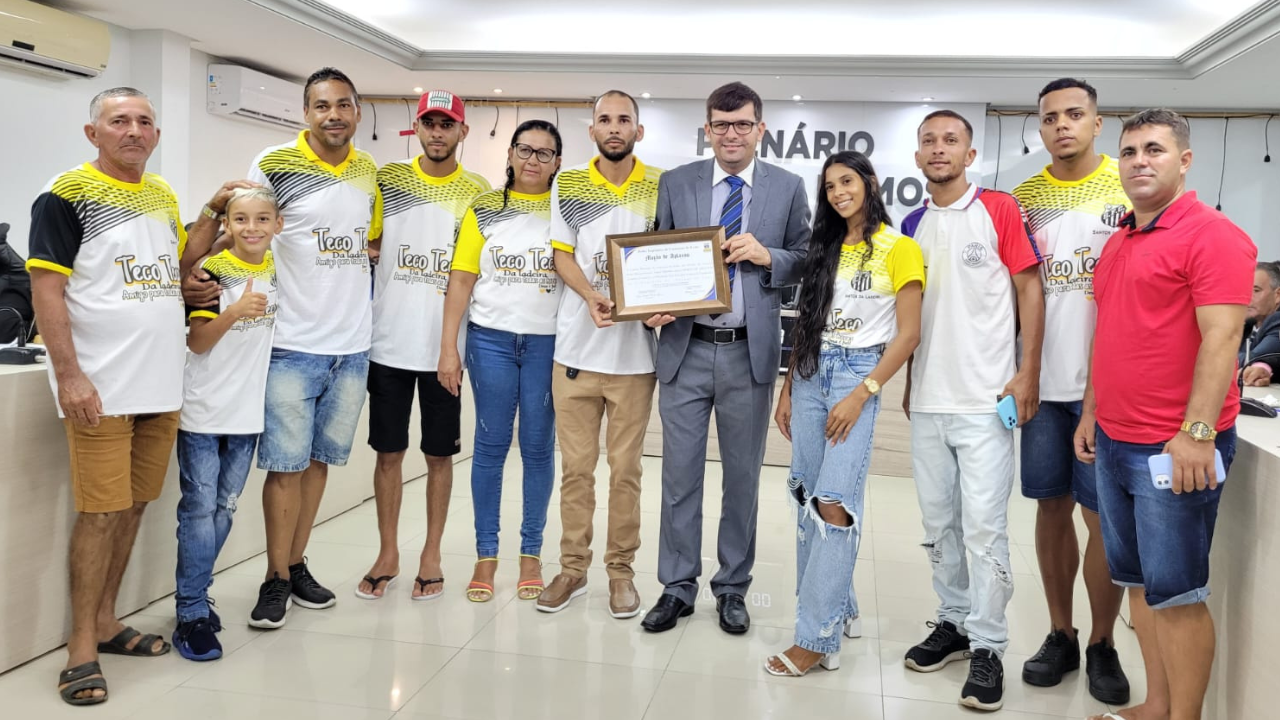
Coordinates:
[984,690]
[944,645]
[1107,681]
[273,604]
[1058,656]
[306,591]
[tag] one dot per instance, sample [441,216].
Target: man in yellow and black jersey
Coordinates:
[1072,206]
[105,242]
[600,366]
[424,201]
[329,198]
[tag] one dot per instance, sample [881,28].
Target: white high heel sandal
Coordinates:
[853,628]
[830,661]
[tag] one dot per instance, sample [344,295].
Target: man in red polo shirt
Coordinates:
[1179,275]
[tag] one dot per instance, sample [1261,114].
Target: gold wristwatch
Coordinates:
[873,387]
[1199,431]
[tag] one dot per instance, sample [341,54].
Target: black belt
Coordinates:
[719,336]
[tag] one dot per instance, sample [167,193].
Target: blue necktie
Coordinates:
[731,219]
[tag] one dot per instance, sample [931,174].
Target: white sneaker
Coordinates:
[853,627]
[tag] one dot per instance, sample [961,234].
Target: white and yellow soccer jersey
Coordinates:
[322,259]
[863,307]
[585,207]
[509,247]
[420,220]
[119,244]
[224,389]
[1070,222]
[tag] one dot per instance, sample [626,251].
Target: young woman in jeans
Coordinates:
[857,323]
[504,274]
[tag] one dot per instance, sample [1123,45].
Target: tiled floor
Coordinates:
[450,658]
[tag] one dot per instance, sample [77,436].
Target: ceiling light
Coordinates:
[646,96]
[498,90]
[927,99]
[417,89]
[797,98]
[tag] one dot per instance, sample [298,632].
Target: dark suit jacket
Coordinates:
[1264,343]
[779,220]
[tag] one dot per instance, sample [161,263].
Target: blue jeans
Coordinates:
[822,474]
[1049,465]
[1154,539]
[511,372]
[312,406]
[212,470]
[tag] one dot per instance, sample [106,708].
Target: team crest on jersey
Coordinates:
[861,281]
[1113,214]
[973,254]
[173,227]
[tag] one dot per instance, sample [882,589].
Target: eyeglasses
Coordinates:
[524,151]
[742,127]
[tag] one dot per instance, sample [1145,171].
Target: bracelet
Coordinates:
[1263,366]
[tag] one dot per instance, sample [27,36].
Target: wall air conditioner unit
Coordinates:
[45,39]
[240,92]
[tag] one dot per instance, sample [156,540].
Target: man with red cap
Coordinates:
[424,199]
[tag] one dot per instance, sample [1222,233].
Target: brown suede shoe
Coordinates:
[561,590]
[624,601]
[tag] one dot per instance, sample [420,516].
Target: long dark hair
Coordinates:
[823,259]
[515,136]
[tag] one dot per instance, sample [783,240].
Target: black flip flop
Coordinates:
[422,587]
[77,680]
[375,582]
[119,645]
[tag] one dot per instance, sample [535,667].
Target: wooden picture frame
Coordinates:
[715,299]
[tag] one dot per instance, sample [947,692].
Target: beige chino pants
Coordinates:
[580,404]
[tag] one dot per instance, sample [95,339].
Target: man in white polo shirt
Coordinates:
[329,197]
[983,275]
[601,367]
[424,200]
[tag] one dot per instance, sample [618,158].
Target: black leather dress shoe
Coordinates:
[662,616]
[733,613]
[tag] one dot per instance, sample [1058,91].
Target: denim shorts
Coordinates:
[1155,539]
[312,407]
[1049,465]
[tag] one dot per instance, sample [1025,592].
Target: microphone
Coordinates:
[20,355]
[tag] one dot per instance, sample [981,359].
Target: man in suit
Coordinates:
[727,361]
[1260,348]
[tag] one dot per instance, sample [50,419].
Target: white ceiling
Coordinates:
[917,28]
[1192,54]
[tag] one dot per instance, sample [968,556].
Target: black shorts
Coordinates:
[391,405]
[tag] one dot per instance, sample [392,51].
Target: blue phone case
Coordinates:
[1007,408]
[1161,467]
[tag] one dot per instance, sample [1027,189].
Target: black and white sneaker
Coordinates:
[984,690]
[1058,656]
[944,645]
[273,604]
[306,591]
[1107,681]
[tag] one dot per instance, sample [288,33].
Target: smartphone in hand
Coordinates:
[1161,467]
[1007,408]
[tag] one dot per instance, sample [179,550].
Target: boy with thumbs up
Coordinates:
[224,391]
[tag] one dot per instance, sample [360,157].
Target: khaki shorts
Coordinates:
[122,461]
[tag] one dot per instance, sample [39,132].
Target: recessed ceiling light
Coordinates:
[797,98]
[417,89]
[262,87]
[498,90]
[646,96]
[927,99]
[777,77]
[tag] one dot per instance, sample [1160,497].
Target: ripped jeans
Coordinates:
[822,474]
[511,372]
[963,466]
[212,470]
